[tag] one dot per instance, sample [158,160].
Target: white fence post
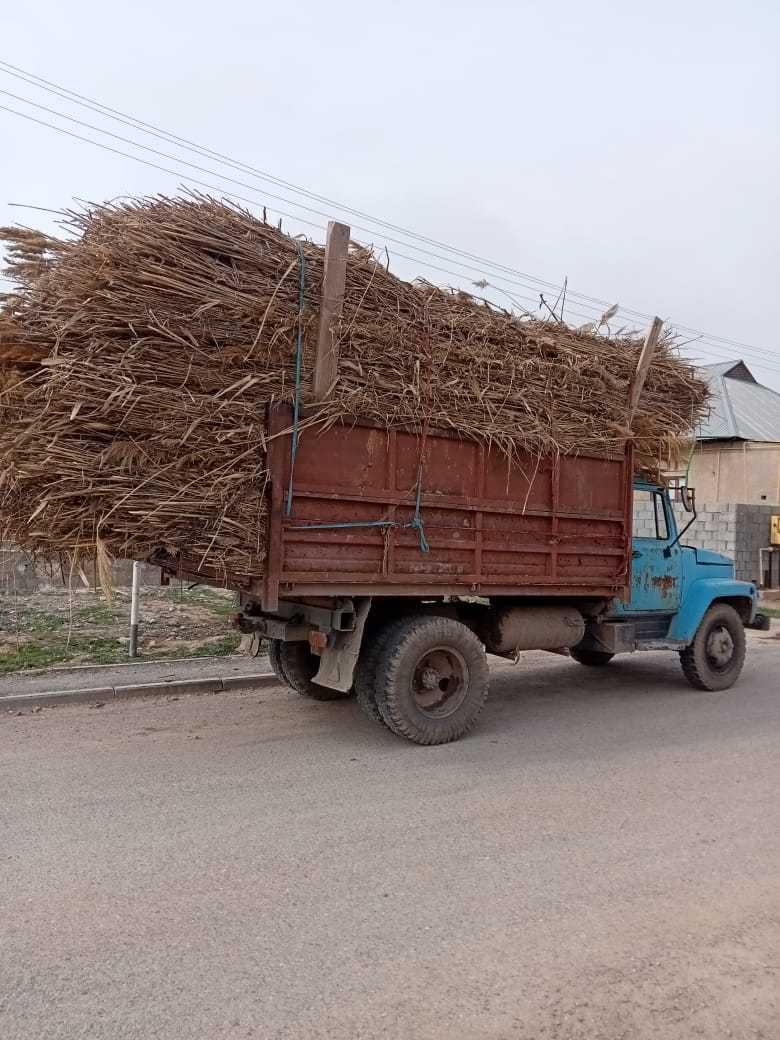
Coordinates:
[133,647]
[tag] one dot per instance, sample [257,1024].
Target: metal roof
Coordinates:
[740,408]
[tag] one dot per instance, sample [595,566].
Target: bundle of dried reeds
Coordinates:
[138,353]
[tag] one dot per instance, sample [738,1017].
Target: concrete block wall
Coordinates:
[644,520]
[737,529]
[19,573]
[753,527]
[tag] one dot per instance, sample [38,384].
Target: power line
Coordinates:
[585,300]
[284,213]
[130,141]
[263,193]
[214,187]
[154,166]
[165,135]
[710,348]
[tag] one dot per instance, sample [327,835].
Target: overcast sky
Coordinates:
[632,147]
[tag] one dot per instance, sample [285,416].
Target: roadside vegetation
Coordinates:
[81,626]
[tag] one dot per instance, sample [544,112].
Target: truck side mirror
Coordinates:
[688,499]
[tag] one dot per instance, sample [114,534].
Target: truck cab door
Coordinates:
[656,565]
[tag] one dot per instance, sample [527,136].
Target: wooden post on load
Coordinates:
[643,367]
[326,359]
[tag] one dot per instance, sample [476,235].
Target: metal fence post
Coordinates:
[133,647]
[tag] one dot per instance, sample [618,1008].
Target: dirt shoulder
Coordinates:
[81,626]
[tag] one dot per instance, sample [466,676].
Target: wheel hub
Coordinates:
[430,679]
[720,646]
[440,681]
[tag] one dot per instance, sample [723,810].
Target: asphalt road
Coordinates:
[600,859]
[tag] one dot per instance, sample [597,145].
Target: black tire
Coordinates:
[714,659]
[374,644]
[299,666]
[431,679]
[275,660]
[591,658]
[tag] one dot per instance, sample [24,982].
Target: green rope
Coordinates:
[690,460]
[416,522]
[298,371]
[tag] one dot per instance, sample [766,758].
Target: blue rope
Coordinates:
[298,370]
[416,523]
[346,523]
[417,520]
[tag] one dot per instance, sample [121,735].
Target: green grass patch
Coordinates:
[219,603]
[97,615]
[215,648]
[33,655]
[90,633]
[100,651]
[770,611]
[35,622]
[45,654]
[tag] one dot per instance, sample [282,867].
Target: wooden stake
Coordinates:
[643,367]
[326,359]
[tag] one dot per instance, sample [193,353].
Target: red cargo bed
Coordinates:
[559,526]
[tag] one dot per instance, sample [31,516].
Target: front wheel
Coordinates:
[714,659]
[431,680]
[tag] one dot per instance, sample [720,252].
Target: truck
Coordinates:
[398,559]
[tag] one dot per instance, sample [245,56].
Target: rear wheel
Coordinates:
[367,671]
[431,680]
[298,665]
[591,658]
[714,659]
[275,660]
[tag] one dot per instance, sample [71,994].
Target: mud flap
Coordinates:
[337,662]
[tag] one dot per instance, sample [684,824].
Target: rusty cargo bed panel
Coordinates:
[558,526]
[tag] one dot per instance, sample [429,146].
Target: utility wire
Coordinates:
[294,216]
[585,300]
[263,193]
[284,213]
[154,166]
[196,180]
[536,301]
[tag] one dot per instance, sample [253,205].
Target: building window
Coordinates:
[675,485]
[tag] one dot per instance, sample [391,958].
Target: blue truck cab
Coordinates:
[681,598]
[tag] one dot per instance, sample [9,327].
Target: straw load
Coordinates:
[139,351]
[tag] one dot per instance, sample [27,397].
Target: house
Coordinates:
[736,457]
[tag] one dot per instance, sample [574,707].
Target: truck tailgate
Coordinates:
[416,513]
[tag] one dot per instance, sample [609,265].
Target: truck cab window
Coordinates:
[649,515]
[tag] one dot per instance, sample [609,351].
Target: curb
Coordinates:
[176,687]
[140,662]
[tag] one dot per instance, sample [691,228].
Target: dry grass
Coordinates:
[138,354]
